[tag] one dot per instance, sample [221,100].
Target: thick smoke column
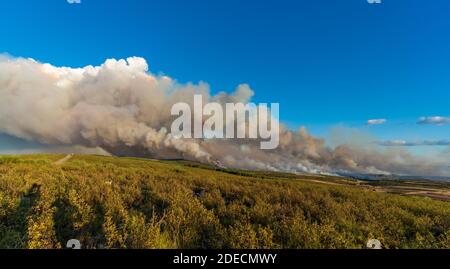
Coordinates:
[123,109]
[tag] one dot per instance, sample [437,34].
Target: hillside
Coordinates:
[110,202]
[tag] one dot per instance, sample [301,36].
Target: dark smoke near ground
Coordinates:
[122,108]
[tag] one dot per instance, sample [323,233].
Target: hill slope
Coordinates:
[109,202]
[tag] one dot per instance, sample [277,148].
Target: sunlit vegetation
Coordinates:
[108,202]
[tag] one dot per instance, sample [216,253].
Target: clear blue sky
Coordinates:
[326,62]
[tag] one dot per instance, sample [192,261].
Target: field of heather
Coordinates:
[111,202]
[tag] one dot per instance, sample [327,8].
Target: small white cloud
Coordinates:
[403,143]
[437,120]
[74,1]
[376,121]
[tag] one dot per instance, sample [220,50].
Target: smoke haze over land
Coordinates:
[122,108]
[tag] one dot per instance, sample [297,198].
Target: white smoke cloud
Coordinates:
[58,149]
[124,109]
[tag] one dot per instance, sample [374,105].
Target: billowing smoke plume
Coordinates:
[123,109]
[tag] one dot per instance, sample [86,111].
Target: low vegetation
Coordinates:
[109,202]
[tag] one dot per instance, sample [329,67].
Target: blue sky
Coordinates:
[327,62]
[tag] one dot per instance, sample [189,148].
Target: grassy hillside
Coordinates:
[108,202]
